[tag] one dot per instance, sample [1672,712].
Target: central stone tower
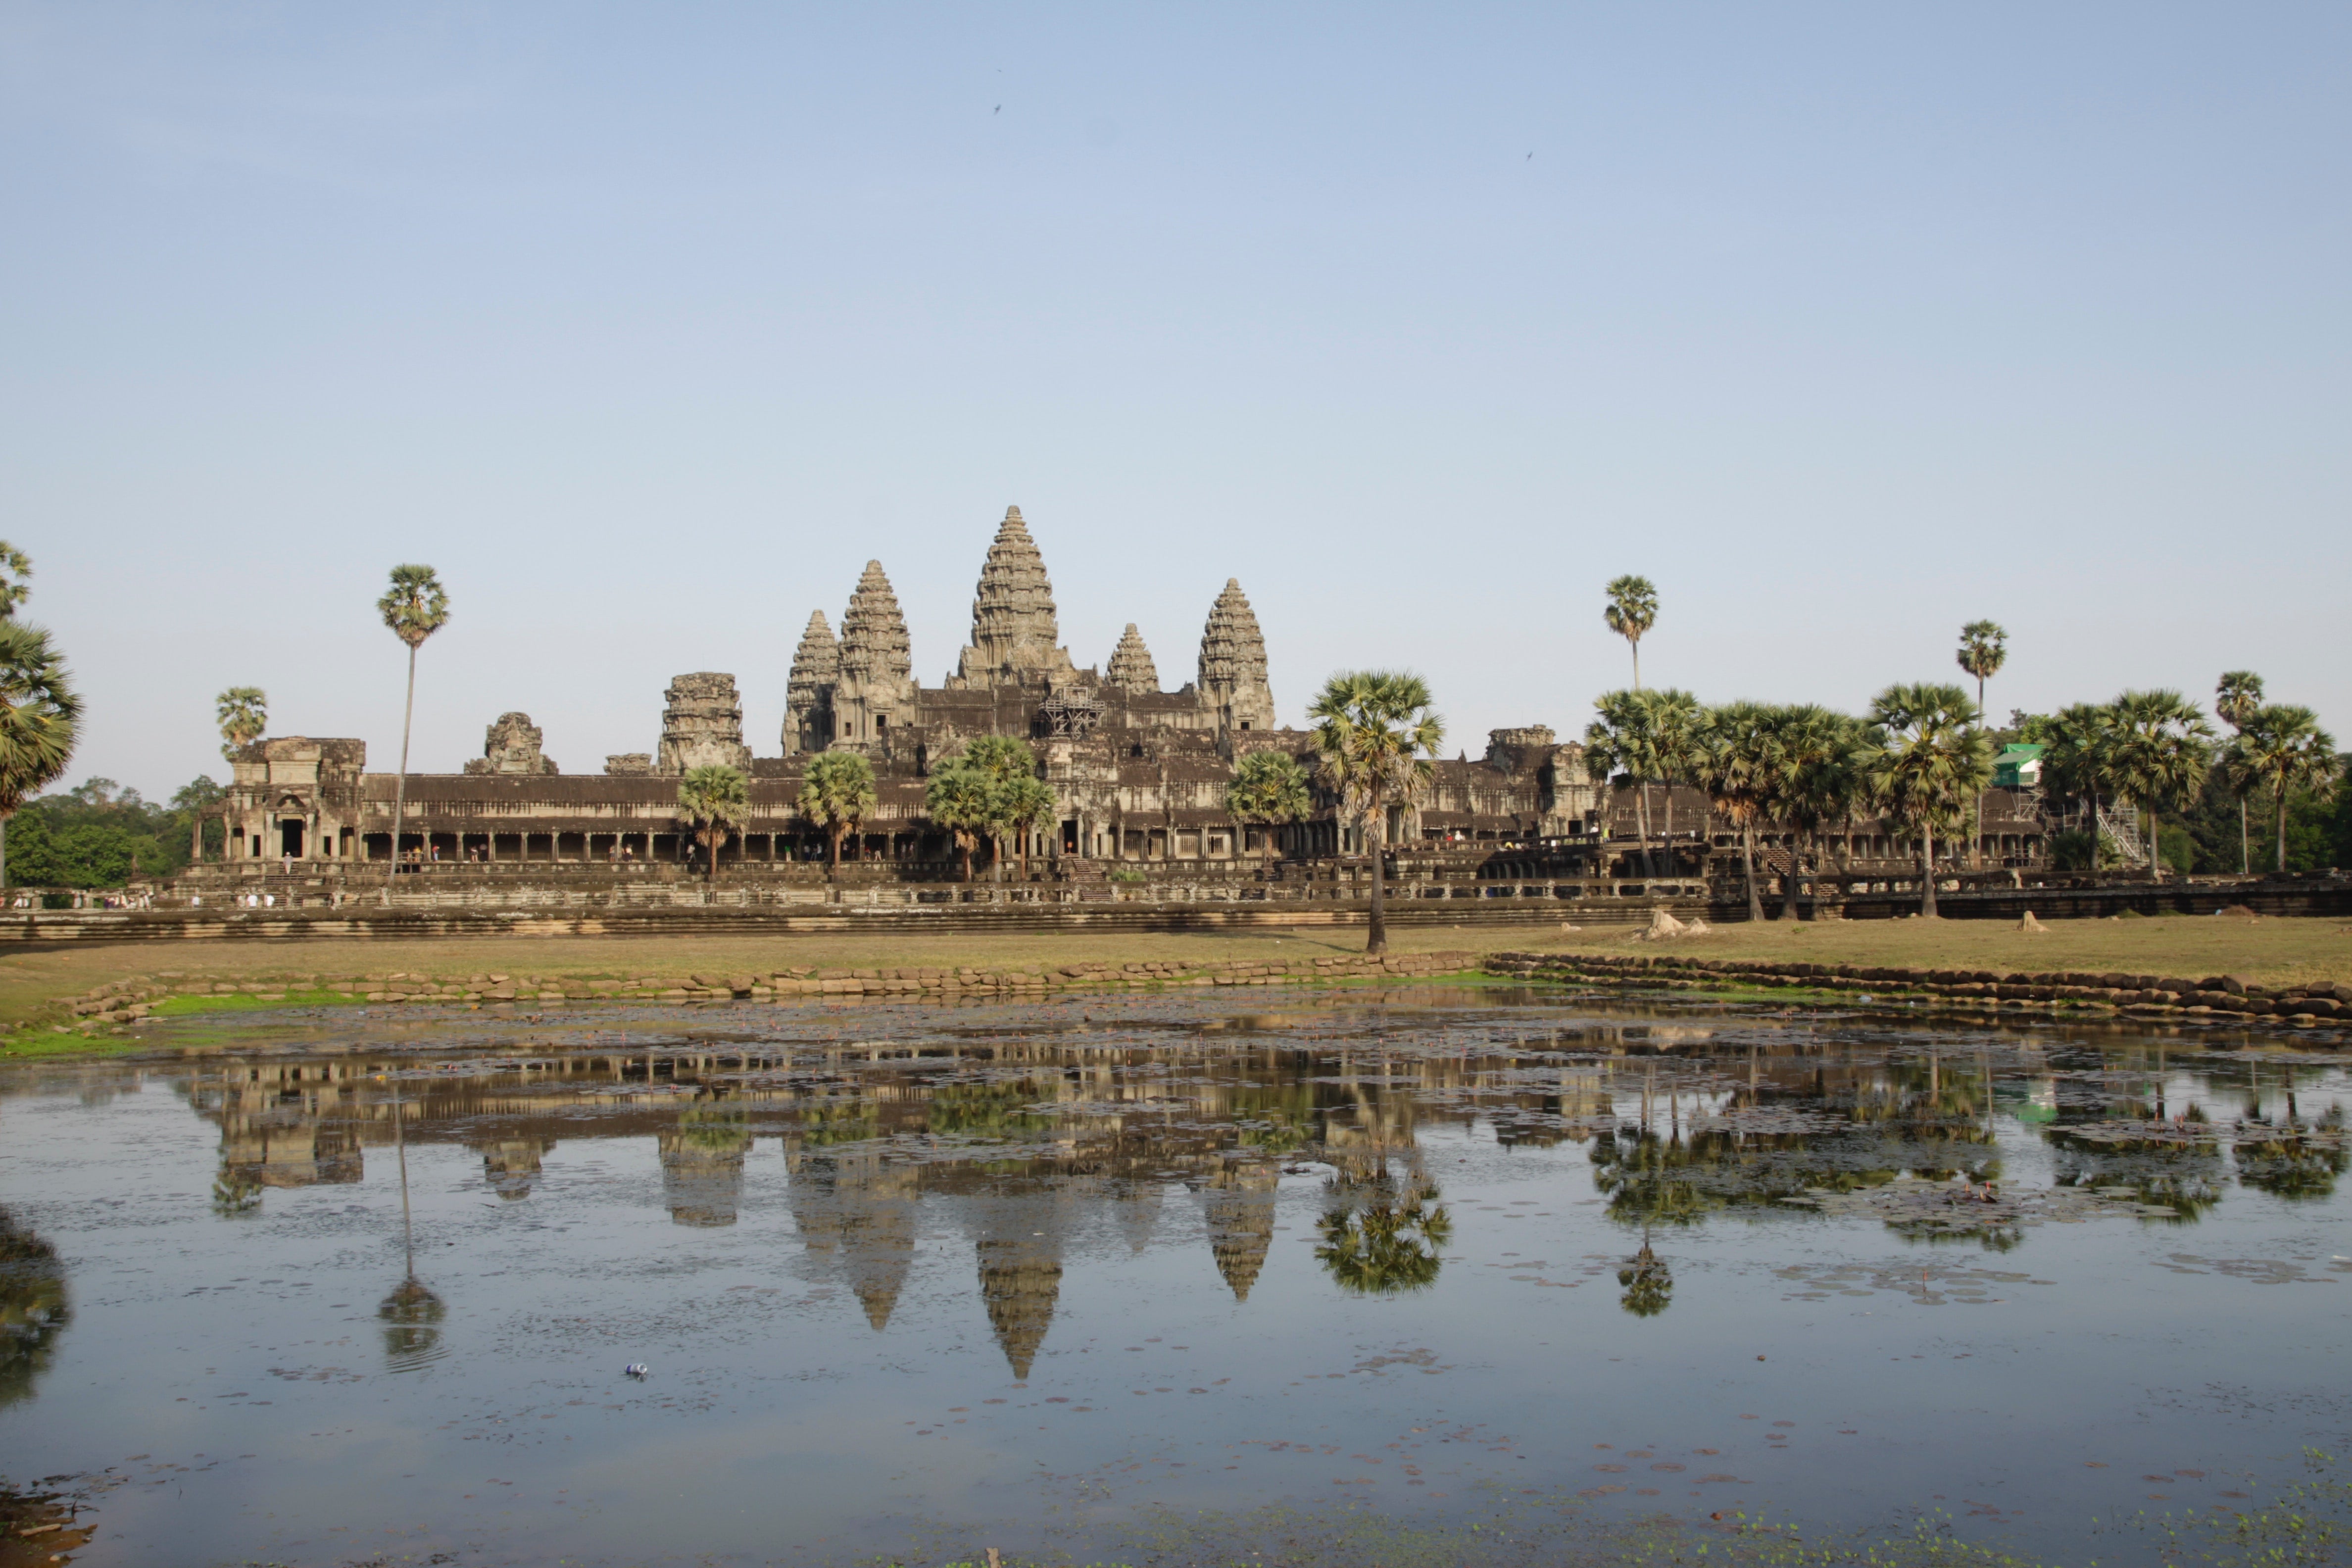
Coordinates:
[1014,636]
[1232,664]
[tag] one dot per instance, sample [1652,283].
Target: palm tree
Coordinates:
[957,798]
[413,607]
[1624,740]
[837,794]
[243,715]
[2080,762]
[15,566]
[1393,1241]
[1004,763]
[715,800]
[1984,648]
[1815,782]
[1632,611]
[1268,791]
[1677,726]
[2235,696]
[40,720]
[1927,759]
[1376,739]
[1025,805]
[1739,769]
[2281,748]
[2161,750]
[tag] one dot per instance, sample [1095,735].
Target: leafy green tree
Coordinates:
[40,720]
[2281,747]
[2235,697]
[1984,648]
[1741,769]
[958,797]
[837,794]
[1927,759]
[715,800]
[16,567]
[2161,750]
[197,802]
[1632,610]
[1376,738]
[413,607]
[100,834]
[1268,791]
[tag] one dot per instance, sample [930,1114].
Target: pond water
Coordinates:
[1102,1275]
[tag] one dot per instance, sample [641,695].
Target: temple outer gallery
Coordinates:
[1139,773]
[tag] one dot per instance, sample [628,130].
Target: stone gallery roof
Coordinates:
[1130,667]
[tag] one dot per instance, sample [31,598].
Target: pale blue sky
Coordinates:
[648,325]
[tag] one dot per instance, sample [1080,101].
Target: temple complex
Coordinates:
[1139,773]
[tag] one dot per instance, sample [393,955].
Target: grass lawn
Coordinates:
[33,983]
[2270,952]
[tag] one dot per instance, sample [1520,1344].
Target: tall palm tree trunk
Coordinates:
[2243,847]
[1788,884]
[1927,872]
[1668,854]
[2279,829]
[833,870]
[3,850]
[1747,856]
[1976,816]
[400,788]
[1642,822]
[2155,831]
[1377,939]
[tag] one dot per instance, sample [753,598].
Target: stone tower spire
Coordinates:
[1232,664]
[1130,666]
[808,695]
[1014,631]
[876,688]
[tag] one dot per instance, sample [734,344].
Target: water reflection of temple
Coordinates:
[1020,1143]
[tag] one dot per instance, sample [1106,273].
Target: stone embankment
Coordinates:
[129,1001]
[2138,995]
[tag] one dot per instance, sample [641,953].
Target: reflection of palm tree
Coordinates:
[412,1318]
[1649,1283]
[234,1196]
[2295,1162]
[1388,1241]
[412,1313]
[33,1308]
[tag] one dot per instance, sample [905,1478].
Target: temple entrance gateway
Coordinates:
[290,839]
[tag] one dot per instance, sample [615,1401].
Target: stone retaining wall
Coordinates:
[2147,995]
[127,1001]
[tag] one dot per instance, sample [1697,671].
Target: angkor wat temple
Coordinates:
[1139,773]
